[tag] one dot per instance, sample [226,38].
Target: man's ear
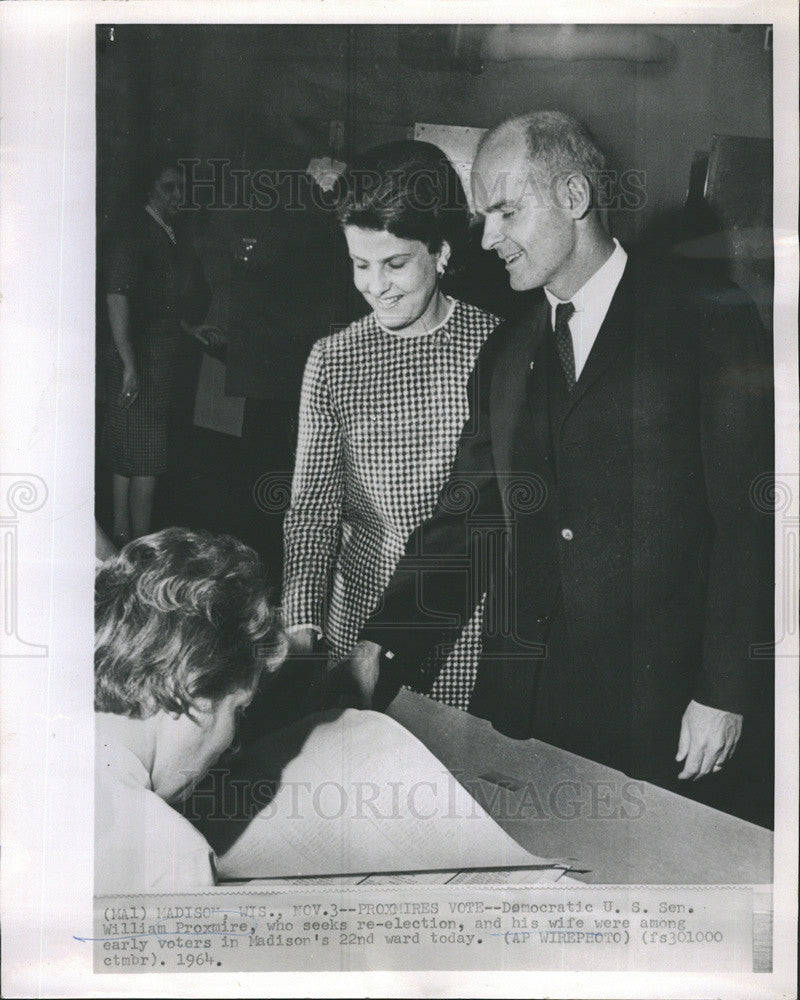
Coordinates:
[575,194]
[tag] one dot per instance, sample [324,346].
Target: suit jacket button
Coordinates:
[542,620]
[566,534]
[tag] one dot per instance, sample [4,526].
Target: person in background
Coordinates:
[383,403]
[183,631]
[155,293]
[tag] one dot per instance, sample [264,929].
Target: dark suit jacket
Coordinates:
[637,519]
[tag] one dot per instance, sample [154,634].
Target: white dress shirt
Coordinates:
[591,305]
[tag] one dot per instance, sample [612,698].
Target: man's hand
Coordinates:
[708,739]
[357,673]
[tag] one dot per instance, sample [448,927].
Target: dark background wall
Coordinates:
[268,97]
[242,91]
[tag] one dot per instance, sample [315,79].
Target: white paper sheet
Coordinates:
[362,795]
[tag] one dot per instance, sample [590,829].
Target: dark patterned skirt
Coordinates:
[134,440]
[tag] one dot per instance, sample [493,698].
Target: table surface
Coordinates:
[559,805]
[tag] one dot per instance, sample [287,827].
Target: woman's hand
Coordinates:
[301,642]
[118,317]
[130,387]
[207,334]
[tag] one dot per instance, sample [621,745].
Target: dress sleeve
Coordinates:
[312,527]
[124,266]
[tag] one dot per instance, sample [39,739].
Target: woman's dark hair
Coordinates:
[149,172]
[179,616]
[410,189]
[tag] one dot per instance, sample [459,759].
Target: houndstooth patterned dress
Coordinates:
[380,416]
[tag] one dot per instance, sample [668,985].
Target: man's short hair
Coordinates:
[180,616]
[557,144]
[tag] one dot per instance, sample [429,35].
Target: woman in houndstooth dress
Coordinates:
[382,407]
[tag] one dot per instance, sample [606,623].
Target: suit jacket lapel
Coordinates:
[612,337]
[537,389]
[519,389]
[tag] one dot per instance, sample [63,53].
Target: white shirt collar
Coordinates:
[591,303]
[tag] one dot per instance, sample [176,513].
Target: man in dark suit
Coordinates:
[616,436]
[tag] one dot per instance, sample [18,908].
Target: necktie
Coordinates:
[566,355]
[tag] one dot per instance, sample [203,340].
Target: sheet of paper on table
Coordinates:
[353,794]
